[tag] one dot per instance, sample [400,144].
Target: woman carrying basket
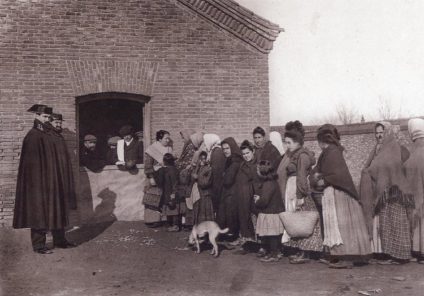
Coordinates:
[297,195]
[345,230]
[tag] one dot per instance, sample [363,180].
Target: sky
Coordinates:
[358,54]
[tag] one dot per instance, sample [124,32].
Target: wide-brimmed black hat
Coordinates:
[56,116]
[42,109]
[126,130]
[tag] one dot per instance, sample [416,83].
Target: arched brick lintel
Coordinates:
[99,76]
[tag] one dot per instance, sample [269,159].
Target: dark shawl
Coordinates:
[227,210]
[217,163]
[268,152]
[270,201]
[39,203]
[232,165]
[333,169]
[246,180]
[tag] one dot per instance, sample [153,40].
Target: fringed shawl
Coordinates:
[382,171]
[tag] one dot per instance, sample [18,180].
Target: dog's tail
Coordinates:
[225,230]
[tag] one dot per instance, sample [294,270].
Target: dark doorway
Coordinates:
[102,115]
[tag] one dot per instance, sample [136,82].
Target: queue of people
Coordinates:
[276,194]
[255,188]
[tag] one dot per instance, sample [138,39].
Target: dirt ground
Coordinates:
[126,258]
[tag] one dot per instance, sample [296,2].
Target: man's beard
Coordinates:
[58,129]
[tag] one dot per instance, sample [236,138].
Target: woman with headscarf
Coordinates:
[345,231]
[192,142]
[246,180]
[153,161]
[227,212]
[382,194]
[414,168]
[185,165]
[216,158]
[298,195]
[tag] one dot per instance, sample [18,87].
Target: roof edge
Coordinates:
[239,21]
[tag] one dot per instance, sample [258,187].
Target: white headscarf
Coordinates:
[277,141]
[211,141]
[416,128]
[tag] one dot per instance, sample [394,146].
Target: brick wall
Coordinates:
[197,74]
[358,141]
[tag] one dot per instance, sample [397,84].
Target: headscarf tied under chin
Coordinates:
[197,140]
[383,173]
[416,128]
[211,141]
[277,141]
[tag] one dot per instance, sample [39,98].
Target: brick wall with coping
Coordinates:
[358,141]
[201,77]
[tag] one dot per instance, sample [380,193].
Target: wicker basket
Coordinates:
[299,224]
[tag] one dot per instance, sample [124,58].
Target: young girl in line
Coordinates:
[269,204]
[167,179]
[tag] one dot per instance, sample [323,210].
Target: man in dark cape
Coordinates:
[39,202]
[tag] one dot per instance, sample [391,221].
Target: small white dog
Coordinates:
[200,230]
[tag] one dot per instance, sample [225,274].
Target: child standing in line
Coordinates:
[167,179]
[202,184]
[269,204]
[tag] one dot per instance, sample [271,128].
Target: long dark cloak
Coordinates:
[38,203]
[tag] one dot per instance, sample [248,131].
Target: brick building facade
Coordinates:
[192,64]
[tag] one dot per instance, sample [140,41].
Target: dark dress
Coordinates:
[245,182]
[167,179]
[227,213]
[40,202]
[217,162]
[203,208]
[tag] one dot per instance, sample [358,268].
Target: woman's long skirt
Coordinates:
[227,215]
[203,210]
[313,242]
[418,237]
[394,230]
[345,230]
